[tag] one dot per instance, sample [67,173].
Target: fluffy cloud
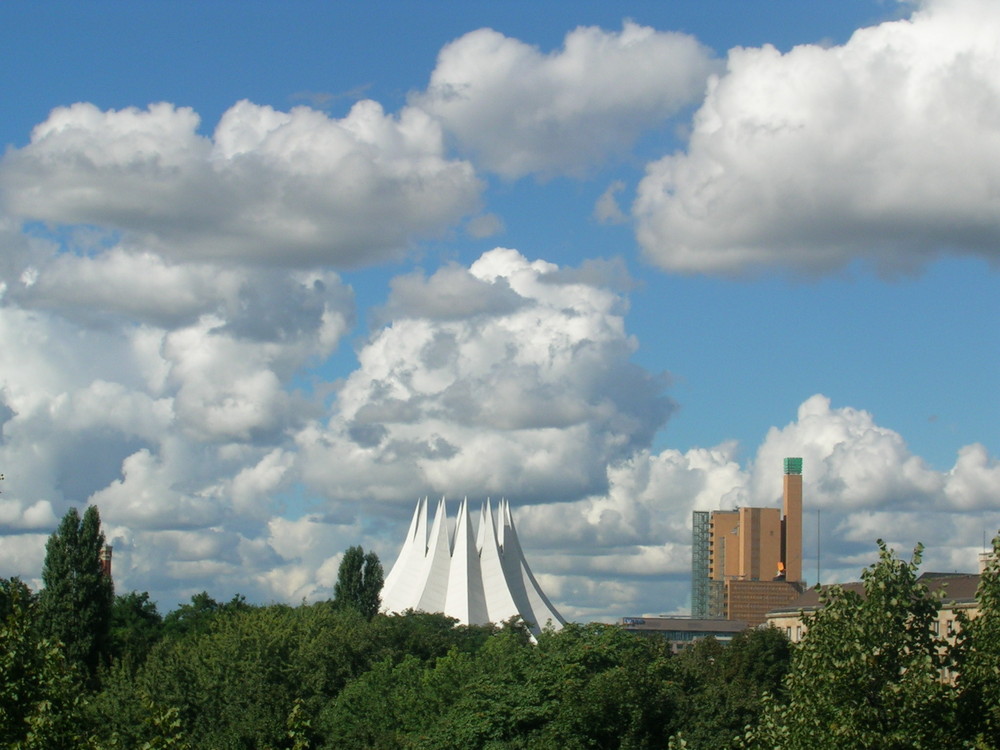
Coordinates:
[283,188]
[886,148]
[149,496]
[852,461]
[509,376]
[124,284]
[162,391]
[974,482]
[519,111]
[506,377]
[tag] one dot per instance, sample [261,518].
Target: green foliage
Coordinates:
[421,665]
[426,635]
[757,659]
[15,597]
[40,695]
[868,673]
[394,701]
[498,704]
[75,605]
[161,726]
[136,626]
[359,582]
[978,657]
[611,688]
[724,687]
[584,686]
[166,730]
[198,616]
[191,618]
[235,683]
[299,727]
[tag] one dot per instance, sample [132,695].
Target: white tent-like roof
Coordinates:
[475,578]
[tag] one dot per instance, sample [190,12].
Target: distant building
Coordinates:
[747,561]
[750,601]
[681,632]
[477,577]
[104,557]
[958,592]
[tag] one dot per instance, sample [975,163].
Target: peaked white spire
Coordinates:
[436,563]
[475,578]
[531,601]
[480,535]
[465,599]
[409,565]
[499,601]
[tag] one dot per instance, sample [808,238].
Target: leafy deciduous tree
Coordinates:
[868,674]
[200,614]
[723,687]
[978,656]
[136,626]
[235,684]
[40,697]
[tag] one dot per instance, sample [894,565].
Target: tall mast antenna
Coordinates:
[818,515]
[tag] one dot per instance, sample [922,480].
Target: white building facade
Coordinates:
[476,576]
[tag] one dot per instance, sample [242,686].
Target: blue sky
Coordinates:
[253,304]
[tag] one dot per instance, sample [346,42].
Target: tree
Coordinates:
[585,686]
[606,688]
[978,656]
[724,686]
[359,582]
[136,626]
[200,614]
[75,605]
[40,699]
[14,594]
[868,674]
[235,683]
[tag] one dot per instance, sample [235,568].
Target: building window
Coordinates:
[936,627]
[788,632]
[798,633]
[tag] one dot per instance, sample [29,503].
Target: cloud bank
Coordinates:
[884,149]
[510,376]
[279,188]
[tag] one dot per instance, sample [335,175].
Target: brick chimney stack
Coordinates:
[105,557]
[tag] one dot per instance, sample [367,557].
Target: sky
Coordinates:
[270,272]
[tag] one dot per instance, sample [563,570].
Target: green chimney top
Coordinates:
[793,465]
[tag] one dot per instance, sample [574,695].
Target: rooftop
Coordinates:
[958,588]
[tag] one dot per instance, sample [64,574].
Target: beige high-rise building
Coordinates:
[749,560]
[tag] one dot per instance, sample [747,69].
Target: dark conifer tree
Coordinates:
[76,603]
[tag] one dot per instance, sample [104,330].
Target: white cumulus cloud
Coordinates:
[520,111]
[508,376]
[284,188]
[885,148]
[852,461]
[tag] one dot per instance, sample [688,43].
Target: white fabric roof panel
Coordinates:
[475,578]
